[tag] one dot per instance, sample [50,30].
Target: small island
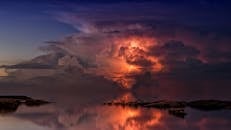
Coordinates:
[10,104]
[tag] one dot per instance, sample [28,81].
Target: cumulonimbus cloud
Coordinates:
[124,47]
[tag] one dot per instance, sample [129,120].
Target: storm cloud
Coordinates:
[179,46]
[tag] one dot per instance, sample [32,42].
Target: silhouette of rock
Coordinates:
[176,108]
[167,104]
[10,104]
[177,112]
[33,102]
[209,105]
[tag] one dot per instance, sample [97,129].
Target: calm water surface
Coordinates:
[86,112]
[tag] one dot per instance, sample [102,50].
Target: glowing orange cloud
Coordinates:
[127,57]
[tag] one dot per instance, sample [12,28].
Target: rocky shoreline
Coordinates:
[176,108]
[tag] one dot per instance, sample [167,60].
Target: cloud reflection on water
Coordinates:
[61,116]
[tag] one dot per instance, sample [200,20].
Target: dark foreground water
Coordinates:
[86,112]
[79,107]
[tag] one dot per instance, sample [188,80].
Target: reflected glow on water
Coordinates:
[128,118]
[95,116]
[3,72]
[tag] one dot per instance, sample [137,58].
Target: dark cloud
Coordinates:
[28,66]
[82,53]
[182,61]
[216,55]
[175,51]
[201,24]
[206,14]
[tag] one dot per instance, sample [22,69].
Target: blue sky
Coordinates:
[25,27]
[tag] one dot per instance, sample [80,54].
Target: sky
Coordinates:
[26,25]
[130,39]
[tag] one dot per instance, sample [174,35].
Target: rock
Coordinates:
[166,104]
[209,105]
[177,112]
[33,102]
[10,104]
[176,108]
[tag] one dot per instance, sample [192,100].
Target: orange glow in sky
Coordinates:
[127,57]
[133,58]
